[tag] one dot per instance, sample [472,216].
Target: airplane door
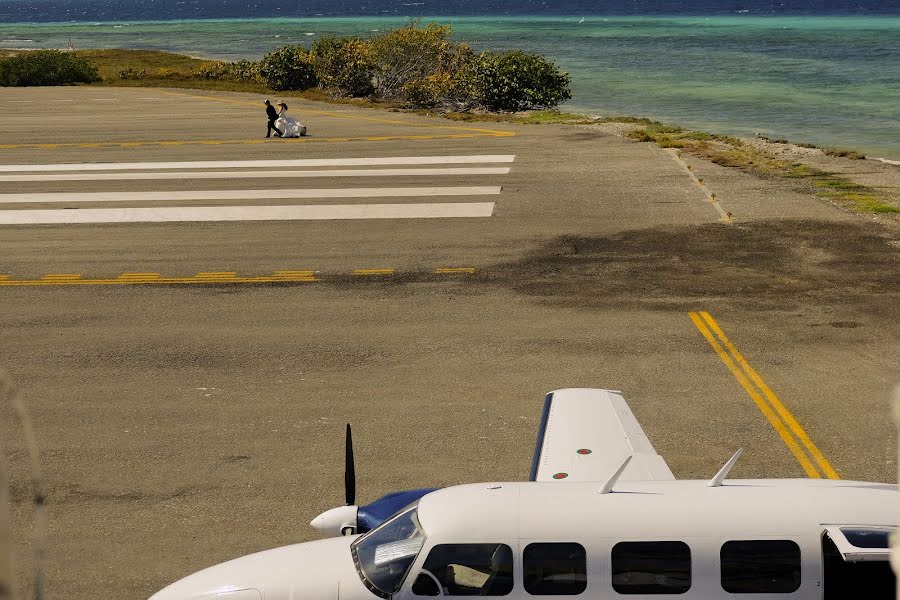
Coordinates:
[476,568]
[857,563]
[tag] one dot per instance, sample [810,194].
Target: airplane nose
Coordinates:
[312,570]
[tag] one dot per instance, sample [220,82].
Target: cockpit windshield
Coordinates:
[384,555]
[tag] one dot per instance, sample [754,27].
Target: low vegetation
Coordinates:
[416,66]
[46,67]
[736,153]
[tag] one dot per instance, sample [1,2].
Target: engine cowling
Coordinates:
[337,521]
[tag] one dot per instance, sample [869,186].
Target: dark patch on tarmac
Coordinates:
[22,494]
[760,266]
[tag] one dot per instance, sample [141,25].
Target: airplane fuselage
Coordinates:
[766,538]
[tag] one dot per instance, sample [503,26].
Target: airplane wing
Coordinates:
[586,434]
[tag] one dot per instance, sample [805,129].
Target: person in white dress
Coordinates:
[289,127]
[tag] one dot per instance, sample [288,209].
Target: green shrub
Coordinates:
[418,63]
[244,70]
[212,69]
[46,67]
[288,68]
[344,65]
[516,80]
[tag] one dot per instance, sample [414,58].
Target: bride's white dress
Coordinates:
[290,128]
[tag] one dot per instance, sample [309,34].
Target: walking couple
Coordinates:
[281,124]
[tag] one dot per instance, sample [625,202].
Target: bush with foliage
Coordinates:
[343,65]
[420,65]
[288,68]
[242,70]
[46,67]
[516,80]
[211,69]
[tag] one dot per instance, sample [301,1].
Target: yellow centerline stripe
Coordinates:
[491,132]
[302,140]
[766,410]
[143,278]
[785,414]
[373,271]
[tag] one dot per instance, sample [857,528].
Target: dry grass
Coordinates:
[734,153]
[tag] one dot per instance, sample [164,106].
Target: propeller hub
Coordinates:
[337,521]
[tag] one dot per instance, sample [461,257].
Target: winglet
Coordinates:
[608,486]
[719,477]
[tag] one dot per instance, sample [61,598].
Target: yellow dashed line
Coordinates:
[205,277]
[255,104]
[791,432]
[293,274]
[373,272]
[303,140]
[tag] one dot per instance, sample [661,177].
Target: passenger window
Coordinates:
[466,570]
[760,567]
[558,569]
[651,567]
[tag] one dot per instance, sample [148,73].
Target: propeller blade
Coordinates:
[349,470]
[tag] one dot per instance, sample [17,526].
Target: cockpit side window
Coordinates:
[466,570]
[384,555]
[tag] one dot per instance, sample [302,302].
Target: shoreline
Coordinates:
[832,174]
[739,129]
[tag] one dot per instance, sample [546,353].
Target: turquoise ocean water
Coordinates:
[828,80]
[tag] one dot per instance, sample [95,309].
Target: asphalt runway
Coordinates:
[189,378]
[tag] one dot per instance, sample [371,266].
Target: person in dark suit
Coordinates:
[273,116]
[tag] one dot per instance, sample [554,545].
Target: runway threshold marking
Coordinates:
[205,277]
[374,161]
[214,214]
[279,174]
[297,193]
[791,432]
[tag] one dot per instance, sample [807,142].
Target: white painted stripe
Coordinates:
[248,194]
[247,213]
[249,164]
[259,174]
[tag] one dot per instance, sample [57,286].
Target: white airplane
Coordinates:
[602,516]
